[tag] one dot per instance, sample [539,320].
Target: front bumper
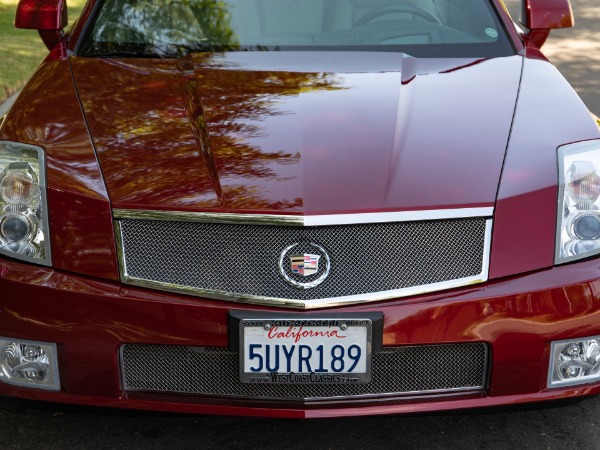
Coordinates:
[90,320]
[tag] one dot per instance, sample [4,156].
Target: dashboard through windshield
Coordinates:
[421,28]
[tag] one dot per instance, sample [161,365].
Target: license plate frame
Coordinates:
[371,323]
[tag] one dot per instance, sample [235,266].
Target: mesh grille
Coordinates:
[215,371]
[244,260]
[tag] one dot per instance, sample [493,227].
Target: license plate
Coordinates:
[309,351]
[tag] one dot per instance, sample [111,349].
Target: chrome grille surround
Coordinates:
[236,257]
[214,372]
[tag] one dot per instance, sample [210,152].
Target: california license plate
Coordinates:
[311,351]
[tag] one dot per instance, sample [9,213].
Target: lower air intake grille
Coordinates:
[215,372]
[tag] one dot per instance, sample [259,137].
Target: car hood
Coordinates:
[299,132]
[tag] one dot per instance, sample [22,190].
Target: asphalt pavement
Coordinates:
[32,425]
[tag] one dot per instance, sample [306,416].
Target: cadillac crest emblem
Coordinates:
[304,265]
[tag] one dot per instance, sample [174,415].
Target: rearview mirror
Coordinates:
[541,16]
[49,17]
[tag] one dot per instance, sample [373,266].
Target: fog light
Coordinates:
[27,363]
[574,362]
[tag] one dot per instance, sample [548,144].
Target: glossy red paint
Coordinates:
[90,319]
[360,134]
[276,125]
[41,14]
[547,14]
[80,214]
[49,17]
[541,16]
[528,193]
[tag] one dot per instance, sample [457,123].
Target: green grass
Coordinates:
[21,51]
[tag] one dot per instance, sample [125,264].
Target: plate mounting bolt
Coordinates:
[343,326]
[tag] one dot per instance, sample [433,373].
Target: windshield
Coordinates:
[427,28]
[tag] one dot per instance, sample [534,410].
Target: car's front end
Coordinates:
[308,231]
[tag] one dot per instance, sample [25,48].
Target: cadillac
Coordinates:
[298,208]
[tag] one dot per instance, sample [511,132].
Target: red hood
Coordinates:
[300,132]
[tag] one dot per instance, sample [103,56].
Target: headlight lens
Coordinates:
[19,186]
[578,232]
[23,214]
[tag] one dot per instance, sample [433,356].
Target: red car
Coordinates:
[298,208]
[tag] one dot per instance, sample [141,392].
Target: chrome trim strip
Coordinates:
[402,216]
[122,367]
[383,397]
[181,216]
[310,304]
[120,255]
[356,398]
[306,221]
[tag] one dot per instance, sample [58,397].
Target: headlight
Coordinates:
[578,232]
[23,214]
